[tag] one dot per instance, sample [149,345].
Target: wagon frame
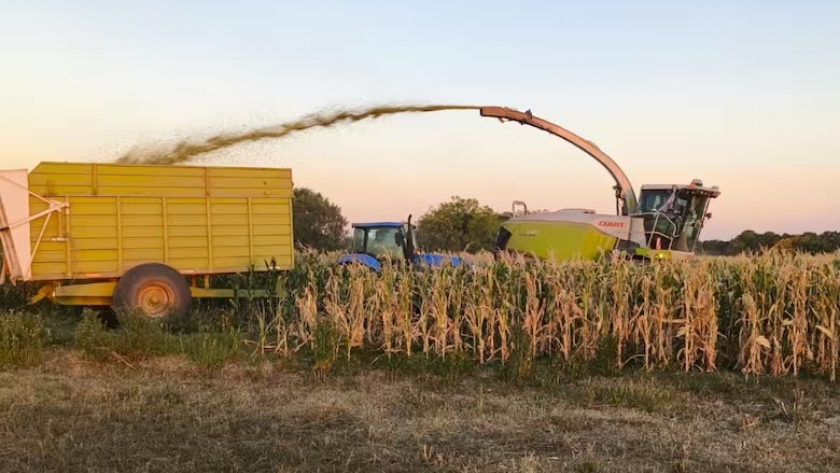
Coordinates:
[105,234]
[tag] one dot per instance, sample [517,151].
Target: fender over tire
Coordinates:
[155,289]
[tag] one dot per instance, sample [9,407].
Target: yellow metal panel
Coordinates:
[272,230]
[228,241]
[87,221]
[97,206]
[148,243]
[189,200]
[82,244]
[188,220]
[143,232]
[274,185]
[189,253]
[63,168]
[230,230]
[51,229]
[229,200]
[246,172]
[133,214]
[140,220]
[272,240]
[51,256]
[175,208]
[47,271]
[269,220]
[268,252]
[231,261]
[155,254]
[92,269]
[52,179]
[93,233]
[194,265]
[230,252]
[36,205]
[136,200]
[136,181]
[277,207]
[239,221]
[234,192]
[230,208]
[41,181]
[102,256]
[188,231]
[52,246]
[188,242]
[150,208]
[138,190]
[133,171]
[84,294]
[158,180]
[276,244]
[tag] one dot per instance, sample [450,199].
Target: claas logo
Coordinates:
[605,223]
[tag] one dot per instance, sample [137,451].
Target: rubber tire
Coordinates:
[127,290]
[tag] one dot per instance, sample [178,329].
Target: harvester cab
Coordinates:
[673,215]
[375,242]
[665,224]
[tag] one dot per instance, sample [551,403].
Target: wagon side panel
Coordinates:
[199,220]
[272,235]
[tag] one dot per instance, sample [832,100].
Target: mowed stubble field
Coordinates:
[252,392]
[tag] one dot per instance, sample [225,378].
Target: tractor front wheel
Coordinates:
[156,290]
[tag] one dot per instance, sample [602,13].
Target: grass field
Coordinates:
[725,364]
[164,415]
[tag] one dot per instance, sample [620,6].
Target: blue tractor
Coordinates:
[376,241]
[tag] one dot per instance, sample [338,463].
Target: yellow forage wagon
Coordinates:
[138,235]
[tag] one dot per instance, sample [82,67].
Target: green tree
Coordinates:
[459,225]
[318,223]
[748,240]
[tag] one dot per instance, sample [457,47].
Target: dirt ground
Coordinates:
[165,415]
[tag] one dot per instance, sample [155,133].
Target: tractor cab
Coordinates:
[376,242]
[674,214]
[384,240]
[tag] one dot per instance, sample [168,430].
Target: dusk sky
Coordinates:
[741,94]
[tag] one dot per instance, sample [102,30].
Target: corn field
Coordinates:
[775,314]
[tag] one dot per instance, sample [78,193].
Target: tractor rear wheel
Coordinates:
[155,289]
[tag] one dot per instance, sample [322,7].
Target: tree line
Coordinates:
[464,224]
[750,241]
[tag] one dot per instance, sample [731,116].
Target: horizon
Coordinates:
[740,97]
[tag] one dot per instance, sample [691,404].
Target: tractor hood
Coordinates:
[421,260]
[435,259]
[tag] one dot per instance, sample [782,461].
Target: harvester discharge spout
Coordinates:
[663,222]
[624,190]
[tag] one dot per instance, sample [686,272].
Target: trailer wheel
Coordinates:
[155,289]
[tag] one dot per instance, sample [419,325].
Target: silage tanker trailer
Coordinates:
[141,236]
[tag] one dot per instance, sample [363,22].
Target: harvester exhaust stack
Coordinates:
[513,212]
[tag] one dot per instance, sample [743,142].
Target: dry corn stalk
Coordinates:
[775,314]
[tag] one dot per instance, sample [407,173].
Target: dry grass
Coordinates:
[722,364]
[166,415]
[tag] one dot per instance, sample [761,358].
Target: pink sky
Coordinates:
[740,97]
